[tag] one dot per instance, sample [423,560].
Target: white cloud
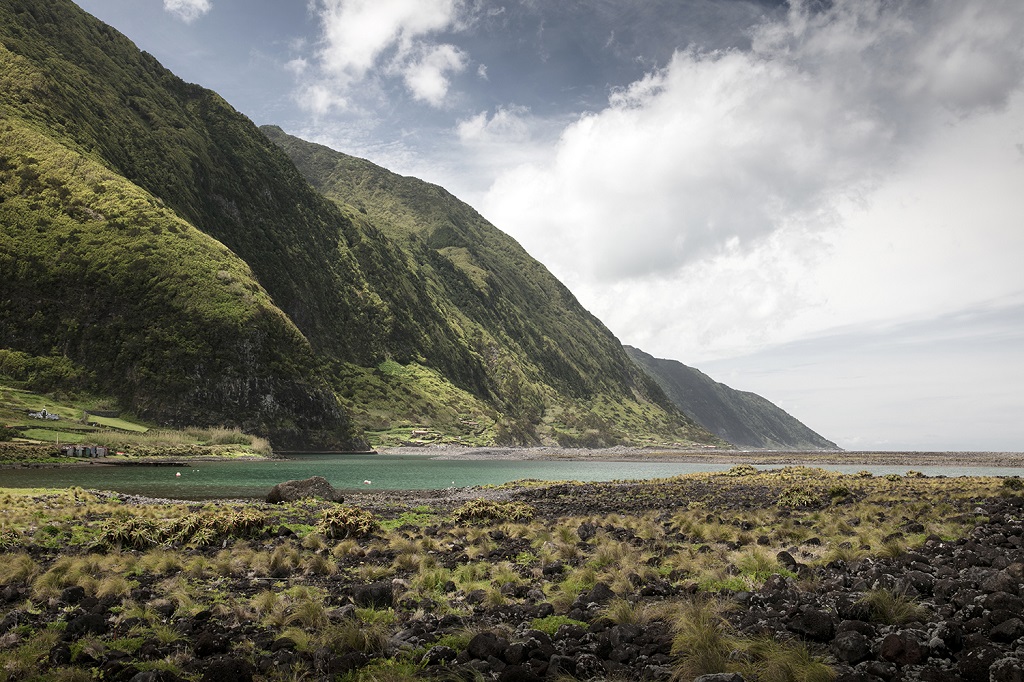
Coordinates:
[427,76]
[297,66]
[320,99]
[188,10]
[710,207]
[508,125]
[384,38]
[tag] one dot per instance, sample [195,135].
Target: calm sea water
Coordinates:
[209,480]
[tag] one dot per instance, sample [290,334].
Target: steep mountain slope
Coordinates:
[742,418]
[166,319]
[165,250]
[554,363]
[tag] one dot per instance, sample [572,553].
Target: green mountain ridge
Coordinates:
[535,334]
[744,419]
[164,251]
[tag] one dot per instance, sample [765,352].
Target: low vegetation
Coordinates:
[666,556]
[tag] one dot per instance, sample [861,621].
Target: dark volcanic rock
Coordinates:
[316,486]
[89,623]
[1008,631]
[975,664]
[486,645]
[1009,669]
[851,647]
[814,624]
[376,595]
[228,669]
[902,648]
[437,655]
[72,595]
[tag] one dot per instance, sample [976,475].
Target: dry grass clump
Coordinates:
[773,660]
[705,643]
[22,663]
[625,612]
[17,569]
[704,640]
[482,509]
[892,608]
[347,522]
[143,529]
[281,562]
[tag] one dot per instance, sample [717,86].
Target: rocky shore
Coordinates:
[718,456]
[796,574]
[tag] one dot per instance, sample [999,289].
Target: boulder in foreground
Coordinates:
[316,486]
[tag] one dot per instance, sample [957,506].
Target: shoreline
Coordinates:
[753,457]
[612,454]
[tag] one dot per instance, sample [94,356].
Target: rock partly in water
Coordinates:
[316,486]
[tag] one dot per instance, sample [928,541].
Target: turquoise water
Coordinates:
[209,480]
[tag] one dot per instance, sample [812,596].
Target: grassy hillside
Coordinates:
[89,88]
[27,438]
[105,281]
[164,252]
[740,417]
[552,364]
[179,172]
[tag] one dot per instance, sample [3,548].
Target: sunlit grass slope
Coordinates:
[163,251]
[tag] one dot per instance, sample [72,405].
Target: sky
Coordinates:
[820,201]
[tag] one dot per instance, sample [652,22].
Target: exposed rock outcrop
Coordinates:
[316,486]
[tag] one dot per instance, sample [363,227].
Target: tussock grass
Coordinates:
[893,608]
[624,612]
[703,641]
[18,568]
[22,662]
[771,660]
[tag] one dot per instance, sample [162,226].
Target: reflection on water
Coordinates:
[208,480]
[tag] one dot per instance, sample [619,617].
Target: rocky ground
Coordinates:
[792,575]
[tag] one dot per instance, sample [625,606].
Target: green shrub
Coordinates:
[838,491]
[9,539]
[134,532]
[550,624]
